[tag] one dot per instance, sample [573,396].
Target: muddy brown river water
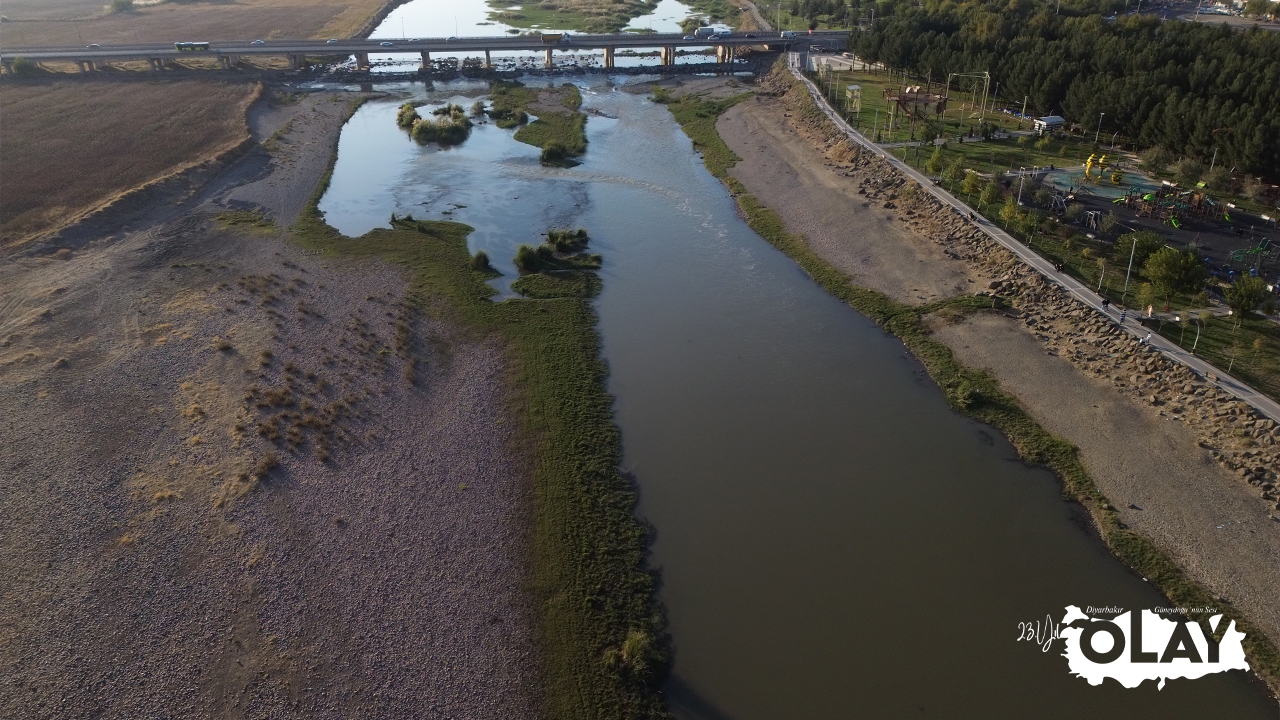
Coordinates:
[834,540]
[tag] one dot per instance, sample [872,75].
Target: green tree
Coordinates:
[990,193]
[1009,211]
[1146,297]
[1155,159]
[1109,222]
[1028,222]
[953,172]
[1173,272]
[1260,8]
[1244,295]
[934,166]
[972,184]
[1188,171]
[1140,245]
[1218,179]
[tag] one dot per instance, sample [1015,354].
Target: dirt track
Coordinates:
[156,564]
[1211,522]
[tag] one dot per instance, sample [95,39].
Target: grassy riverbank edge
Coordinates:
[601,632]
[972,392]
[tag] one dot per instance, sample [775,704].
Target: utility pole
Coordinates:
[1132,249]
[1024,110]
[1214,160]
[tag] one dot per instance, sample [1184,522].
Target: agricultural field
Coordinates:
[60,162]
[34,23]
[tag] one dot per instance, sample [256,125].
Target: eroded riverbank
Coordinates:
[1220,535]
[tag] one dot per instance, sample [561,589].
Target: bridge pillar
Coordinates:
[225,61]
[297,62]
[426,60]
[608,57]
[8,67]
[362,61]
[488,63]
[669,55]
[549,63]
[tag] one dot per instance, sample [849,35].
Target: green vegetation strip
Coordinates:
[973,392]
[600,630]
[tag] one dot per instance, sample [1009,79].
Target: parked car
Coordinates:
[386,43]
[257,42]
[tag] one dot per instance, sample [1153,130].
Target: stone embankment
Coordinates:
[1240,438]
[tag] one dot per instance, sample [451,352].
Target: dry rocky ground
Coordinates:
[240,480]
[1185,463]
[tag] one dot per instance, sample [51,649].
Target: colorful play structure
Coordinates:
[1103,166]
[1172,205]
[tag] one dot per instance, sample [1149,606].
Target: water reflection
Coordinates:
[834,541]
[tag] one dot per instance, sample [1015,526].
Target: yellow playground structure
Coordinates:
[1101,163]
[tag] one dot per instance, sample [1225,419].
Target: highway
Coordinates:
[314,48]
[1127,320]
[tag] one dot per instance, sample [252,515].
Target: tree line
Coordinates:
[1191,88]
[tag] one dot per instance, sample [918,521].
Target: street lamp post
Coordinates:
[1132,250]
[1095,135]
[1021,177]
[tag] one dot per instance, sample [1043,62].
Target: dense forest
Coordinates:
[1190,88]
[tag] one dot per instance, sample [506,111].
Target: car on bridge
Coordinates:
[332,41]
[386,43]
[257,42]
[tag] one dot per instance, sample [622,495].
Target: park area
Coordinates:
[1197,246]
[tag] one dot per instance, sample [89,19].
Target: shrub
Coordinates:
[445,130]
[23,66]
[1074,212]
[568,241]
[526,259]
[1109,222]
[480,261]
[407,116]
[477,108]
[1219,179]
[119,6]
[554,152]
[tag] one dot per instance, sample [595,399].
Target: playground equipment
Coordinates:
[1104,168]
[1264,250]
[1171,205]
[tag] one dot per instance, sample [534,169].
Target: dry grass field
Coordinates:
[70,147]
[32,23]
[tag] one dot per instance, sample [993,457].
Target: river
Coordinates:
[834,540]
[472,18]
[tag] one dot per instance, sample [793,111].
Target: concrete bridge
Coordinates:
[298,51]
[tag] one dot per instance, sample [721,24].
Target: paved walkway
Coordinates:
[1260,402]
